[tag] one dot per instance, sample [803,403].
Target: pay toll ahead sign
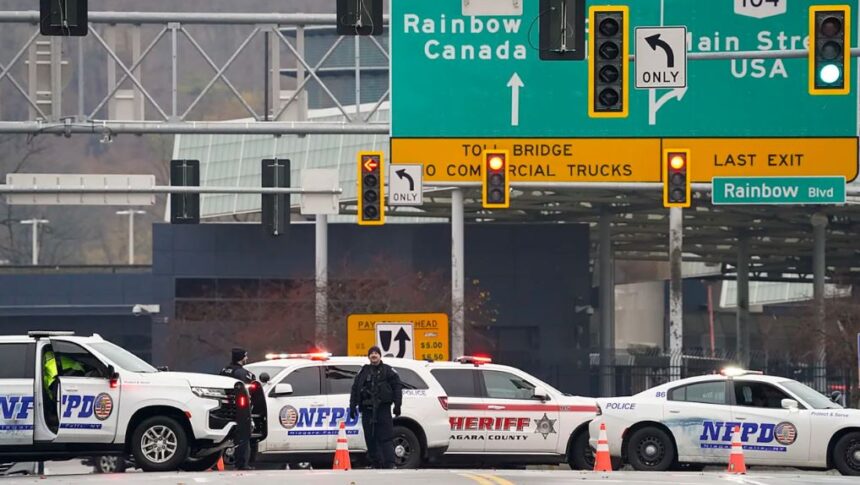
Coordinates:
[629,159]
[426,334]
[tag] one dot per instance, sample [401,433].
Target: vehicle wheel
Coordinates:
[109,464]
[846,454]
[159,444]
[581,455]
[200,464]
[650,449]
[407,448]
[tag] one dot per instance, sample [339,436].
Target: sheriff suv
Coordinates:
[782,422]
[65,396]
[502,415]
[308,397]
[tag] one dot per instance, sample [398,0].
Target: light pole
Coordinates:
[130,213]
[35,223]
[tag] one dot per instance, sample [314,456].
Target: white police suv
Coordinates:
[308,397]
[502,415]
[782,423]
[64,396]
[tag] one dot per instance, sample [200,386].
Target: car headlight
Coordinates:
[210,392]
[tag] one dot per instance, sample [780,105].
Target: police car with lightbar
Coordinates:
[781,421]
[502,415]
[65,396]
[470,411]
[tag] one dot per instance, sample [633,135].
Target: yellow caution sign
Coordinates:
[769,157]
[534,159]
[422,336]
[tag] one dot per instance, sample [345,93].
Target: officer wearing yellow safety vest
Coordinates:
[49,380]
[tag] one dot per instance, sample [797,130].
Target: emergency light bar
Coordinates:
[737,371]
[309,356]
[473,359]
[49,333]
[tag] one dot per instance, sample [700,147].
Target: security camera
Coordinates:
[137,310]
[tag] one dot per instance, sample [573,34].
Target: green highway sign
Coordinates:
[460,76]
[778,190]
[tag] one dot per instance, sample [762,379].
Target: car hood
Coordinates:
[200,380]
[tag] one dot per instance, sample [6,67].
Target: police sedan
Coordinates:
[782,423]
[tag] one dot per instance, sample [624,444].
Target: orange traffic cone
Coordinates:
[736,458]
[220,465]
[602,460]
[341,454]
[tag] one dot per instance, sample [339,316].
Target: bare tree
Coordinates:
[278,315]
[16,154]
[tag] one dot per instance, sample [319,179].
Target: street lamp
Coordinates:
[35,223]
[130,213]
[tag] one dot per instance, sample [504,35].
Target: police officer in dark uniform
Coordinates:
[236,370]
[376,387]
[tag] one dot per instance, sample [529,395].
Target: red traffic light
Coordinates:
[370,164]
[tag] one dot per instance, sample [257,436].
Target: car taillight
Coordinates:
[241,401]
[252,387]
[443,400]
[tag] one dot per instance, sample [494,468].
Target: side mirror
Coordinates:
[163,368]
[112,373]
[264,377]
[836,397]
[789,404]
[541,393]
[282,390]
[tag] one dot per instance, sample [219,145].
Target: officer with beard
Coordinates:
[376,387]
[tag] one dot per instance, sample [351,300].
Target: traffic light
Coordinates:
[497,183]
[185,208]
[275,207]
[676,178]
[608,62]
[63,17]
[359,17]
[562,30]
[829,49]
[371,192]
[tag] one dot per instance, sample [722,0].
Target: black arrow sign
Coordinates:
[655,41]
[402,337]
[402,174]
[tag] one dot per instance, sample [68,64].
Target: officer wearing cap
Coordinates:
[236,370]
[376,387]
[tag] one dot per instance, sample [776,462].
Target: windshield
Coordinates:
[259,370]
[122,358]
[814,398]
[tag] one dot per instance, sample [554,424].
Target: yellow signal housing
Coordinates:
[371,188]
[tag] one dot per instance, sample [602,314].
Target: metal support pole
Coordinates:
[676,301]
[130,213]
[742,315]
[321,305]
[819,269]
[458,310]
[81,114]
[358,77]
[302,98]
[607,306]
[267,69]
[35,237]
[174,54]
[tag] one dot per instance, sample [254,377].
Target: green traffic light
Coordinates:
[830,74]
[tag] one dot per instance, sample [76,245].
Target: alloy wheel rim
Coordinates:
[159,444]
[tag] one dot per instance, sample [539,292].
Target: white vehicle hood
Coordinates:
[190,378]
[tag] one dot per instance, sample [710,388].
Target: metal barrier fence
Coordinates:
[652,371]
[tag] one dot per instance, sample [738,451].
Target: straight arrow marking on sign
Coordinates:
[655,41]
[515,84]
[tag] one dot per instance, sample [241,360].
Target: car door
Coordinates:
[17,374]
[515,421]
[294,417]
[338,380]
[770,433]
[466,407]
[89,402]
[699,417]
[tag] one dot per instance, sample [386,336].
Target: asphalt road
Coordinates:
[434,477]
